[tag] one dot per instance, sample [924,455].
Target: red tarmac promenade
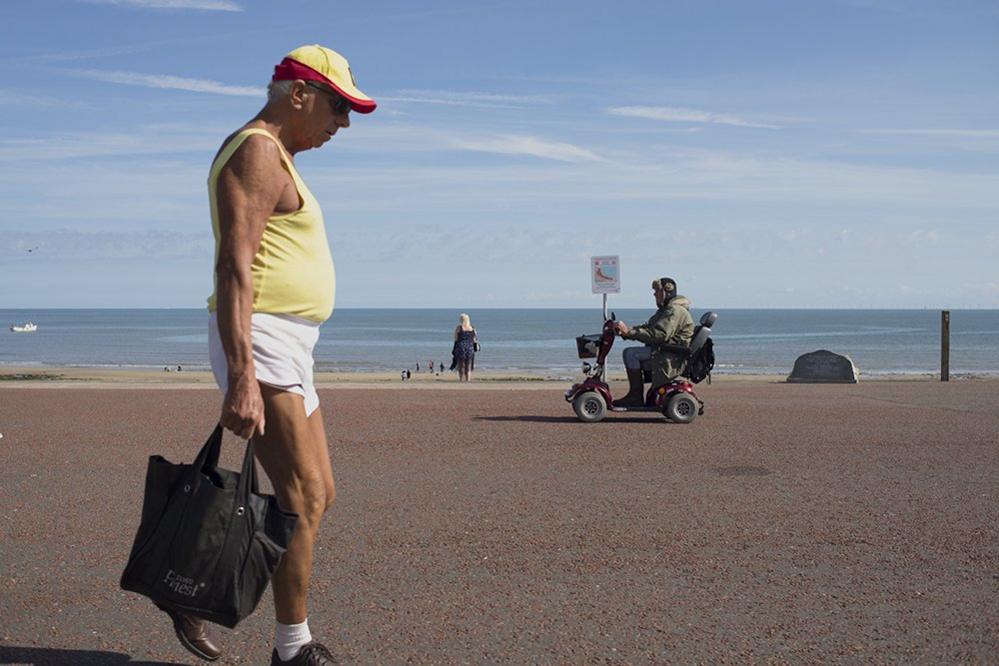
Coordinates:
[788,524]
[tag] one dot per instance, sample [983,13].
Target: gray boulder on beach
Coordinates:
[825,367]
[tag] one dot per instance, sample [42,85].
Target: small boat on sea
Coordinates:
[26,327]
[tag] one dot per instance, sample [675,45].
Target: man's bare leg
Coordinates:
[294,455]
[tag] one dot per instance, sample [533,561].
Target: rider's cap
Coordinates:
[322,65]
[664,283]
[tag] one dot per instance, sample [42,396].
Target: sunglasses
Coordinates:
[340,104]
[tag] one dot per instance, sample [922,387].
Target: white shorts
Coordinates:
[282,354]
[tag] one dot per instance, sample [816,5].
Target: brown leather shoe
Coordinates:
[192,632]
[311,654]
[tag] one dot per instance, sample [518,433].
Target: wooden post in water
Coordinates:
[945,345]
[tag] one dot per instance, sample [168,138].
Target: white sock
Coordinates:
[289,639]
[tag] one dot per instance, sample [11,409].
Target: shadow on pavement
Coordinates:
[531,419]
[39,656]
[656,419]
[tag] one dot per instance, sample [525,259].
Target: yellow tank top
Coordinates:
[293,269]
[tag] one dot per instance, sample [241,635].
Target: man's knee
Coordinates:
[634,357]
[309,499]
[322,494]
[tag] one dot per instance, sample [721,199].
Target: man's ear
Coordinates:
[298,93]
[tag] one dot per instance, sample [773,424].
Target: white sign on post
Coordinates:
[606,274]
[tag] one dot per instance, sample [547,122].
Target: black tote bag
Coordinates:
[208,541]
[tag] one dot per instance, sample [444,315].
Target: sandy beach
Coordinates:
[93,377]
[20,377]
[789,523]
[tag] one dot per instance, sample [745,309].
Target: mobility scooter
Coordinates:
[591,399]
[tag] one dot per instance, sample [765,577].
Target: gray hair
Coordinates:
[278,89]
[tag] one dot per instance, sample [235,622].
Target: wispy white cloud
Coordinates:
[396,138]
[169,190]
[442,101]
[147,140]
[165,81]
[922,237]
[205,5]
[684,115]
[674,177]
[9,98]
[467,98]
[87,54]
[646,131]
[173,138]
[528,145]
[948,133]
[384,180]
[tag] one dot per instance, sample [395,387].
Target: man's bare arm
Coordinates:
[248,190]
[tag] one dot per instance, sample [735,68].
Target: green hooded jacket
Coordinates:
[670,325]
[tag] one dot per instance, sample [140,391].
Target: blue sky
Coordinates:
[808,153]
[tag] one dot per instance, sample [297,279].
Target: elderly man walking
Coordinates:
[274,286]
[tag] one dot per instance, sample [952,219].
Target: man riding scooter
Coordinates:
[670,325]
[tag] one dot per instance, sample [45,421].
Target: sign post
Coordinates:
[945,345]
[605,275]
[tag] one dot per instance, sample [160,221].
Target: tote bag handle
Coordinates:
[208,458]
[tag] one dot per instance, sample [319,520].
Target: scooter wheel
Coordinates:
[681,408]
[590,407]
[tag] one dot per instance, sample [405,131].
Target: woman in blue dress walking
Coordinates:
[465,341]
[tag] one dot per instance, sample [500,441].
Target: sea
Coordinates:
[535,342]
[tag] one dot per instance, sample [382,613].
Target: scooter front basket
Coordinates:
[588,346]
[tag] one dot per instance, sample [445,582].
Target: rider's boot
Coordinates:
[636,390]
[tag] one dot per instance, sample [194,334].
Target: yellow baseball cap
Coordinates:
[318,63]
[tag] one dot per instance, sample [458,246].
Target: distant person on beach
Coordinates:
[442,368]
[417,366]
[671,324]
[464,347]
[274,286]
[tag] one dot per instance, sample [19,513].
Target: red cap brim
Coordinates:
[290,70]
